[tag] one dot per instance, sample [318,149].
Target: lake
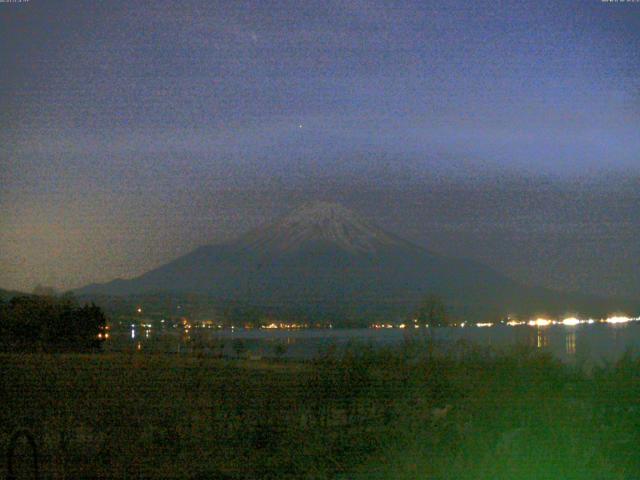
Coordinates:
[593,342]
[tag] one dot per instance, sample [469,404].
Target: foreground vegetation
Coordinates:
[396,414]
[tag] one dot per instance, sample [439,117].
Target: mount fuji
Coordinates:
[323,257]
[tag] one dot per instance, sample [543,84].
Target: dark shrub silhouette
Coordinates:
[50,324]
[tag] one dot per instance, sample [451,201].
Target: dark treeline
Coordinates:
[431,309]
[32,323]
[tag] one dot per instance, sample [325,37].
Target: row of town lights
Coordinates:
[538,322]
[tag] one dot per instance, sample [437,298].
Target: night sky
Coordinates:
[506,131]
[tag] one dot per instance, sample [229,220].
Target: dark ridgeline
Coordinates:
[33,323]
[325,260]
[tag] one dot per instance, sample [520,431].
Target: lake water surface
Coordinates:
[593,342]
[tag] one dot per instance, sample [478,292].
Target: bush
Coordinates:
[32,323]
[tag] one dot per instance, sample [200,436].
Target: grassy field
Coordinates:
[369,414]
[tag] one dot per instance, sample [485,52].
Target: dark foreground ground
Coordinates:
[370,414]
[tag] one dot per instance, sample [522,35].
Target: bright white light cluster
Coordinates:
[621,319]
[572,321]
[537,322]
[540,322]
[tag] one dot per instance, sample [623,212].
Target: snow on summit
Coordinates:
[322,223]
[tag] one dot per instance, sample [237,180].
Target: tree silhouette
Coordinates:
[239,347]
[432,311]
[46,323]
[280,349]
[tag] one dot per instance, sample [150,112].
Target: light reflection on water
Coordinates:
[569,343]
[542,338]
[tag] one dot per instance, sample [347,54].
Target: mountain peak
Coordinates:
[321,223]
[321,213]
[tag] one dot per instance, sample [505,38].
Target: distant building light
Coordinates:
[618,319]
[571,321]
[540,322]
[515,323]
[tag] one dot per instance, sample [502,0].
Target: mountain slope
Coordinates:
[324,257]
[6,295]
